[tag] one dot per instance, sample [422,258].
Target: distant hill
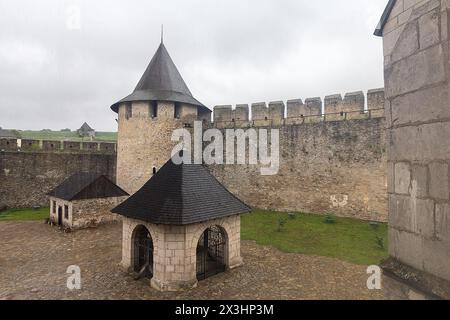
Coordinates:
[66,135]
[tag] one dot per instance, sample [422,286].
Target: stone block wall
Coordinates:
[241,113]
[299,112]
[276,112]
[107,147]
[260,114]
[329,164]
[51,145]
[26,177]
[66,212]
[144,143]
[187,112]
[30,145]
[94,212]
[90,146]
[327,167]
[352,107]
[8,144]
[417,74]
[174,250]
[81,214]
[375,102]
[72,146]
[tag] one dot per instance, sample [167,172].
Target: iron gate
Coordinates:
[143,253]
[211,253]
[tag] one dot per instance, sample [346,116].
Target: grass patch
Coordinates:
[347,239]
[24,214]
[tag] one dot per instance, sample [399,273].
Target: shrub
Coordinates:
[281,223]
[330,219]
[379,241]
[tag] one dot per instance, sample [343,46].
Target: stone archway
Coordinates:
[142,253]
[212,252]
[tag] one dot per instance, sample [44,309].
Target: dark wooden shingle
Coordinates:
[161,81]
[85,185]
[180,195]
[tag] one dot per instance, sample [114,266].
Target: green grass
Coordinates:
[346,239]
[63,135]
[24,214]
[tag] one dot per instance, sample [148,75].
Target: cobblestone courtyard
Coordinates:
[34,258]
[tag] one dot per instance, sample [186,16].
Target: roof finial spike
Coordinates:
[162,34]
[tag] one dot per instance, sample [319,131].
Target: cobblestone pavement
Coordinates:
[34,258]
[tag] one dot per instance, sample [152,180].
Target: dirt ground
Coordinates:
[34,258]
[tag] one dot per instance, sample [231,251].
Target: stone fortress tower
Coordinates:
[161,103]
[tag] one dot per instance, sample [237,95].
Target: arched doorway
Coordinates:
[211,253]
[143,252]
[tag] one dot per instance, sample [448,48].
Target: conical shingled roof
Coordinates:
[161,81]
[181,195]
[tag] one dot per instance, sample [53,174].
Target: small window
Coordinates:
[128,111]
[54,206]
[177,110]
[265,118]
[66,212]
[153,109]
[154,170]
[342,113]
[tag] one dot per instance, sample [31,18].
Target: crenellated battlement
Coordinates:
[277,113]
[28,145]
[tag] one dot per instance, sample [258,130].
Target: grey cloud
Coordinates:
[228,52]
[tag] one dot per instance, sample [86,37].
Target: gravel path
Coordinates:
[34,258]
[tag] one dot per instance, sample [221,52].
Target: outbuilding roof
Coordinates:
[181,195]
[384,18]
[85,185]
[161,81]
[86,127]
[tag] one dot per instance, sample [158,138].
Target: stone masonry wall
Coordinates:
[81,214]
[65,207]
[174,250]
[26,177]
[93,212]
[417,74]
[336,108]
[328,167]
[334,162]
[330,163]
[144,142]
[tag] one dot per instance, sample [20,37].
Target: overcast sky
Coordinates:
[57,71]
